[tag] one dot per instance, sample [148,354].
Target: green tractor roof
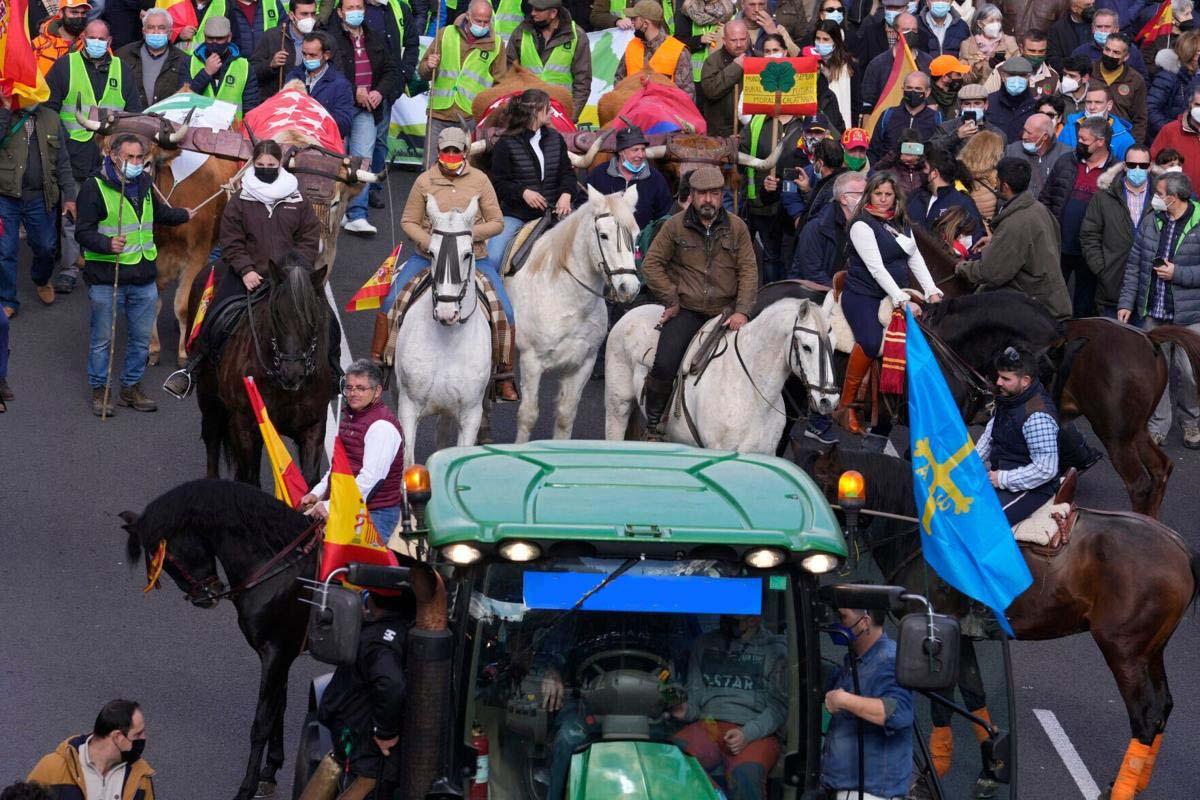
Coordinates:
[623,497]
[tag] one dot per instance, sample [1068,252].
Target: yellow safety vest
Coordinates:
[459,80]
[121,218]
[270,18]
[80,88]
[508,16]
[233,84]
[557,69]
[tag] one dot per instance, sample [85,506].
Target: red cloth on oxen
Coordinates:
[294,110]
[656,108]
[559,119]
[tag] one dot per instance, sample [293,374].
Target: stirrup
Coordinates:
[172,392]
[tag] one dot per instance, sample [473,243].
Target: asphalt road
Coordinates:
[75,629]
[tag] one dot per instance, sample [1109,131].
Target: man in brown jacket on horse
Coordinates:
[701,265]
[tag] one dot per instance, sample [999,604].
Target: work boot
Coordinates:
[1191,437]
[375,199]
[98,406]
[658,394]
[856,371]
[506,390]
[135,398]
[6,392]
[64,283]
[379,337]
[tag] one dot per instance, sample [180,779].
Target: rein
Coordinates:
[824,351]
[279,358]
[977,387]
[228,188]
[624,242]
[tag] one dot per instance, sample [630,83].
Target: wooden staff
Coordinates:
[736,120]
[437,24]
[112,333]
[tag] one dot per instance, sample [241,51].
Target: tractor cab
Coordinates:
[613,610]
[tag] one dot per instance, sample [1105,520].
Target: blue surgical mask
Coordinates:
[132,171]
[939,10]
[631,168]
[1137,176]
[889,16]
[1029,147]
[823,48]
[1101,37]
[479,31]
[835,16]
[95,48]
[313,64]
[355,18]
[841,635]
[1015,84]
[156,41]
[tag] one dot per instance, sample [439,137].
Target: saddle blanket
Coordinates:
[502,335]
[1041,526]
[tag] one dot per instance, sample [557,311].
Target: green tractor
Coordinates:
[564,592]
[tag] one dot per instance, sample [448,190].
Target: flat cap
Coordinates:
[217,27]
[1017,65]
[646,9]
[453,137]
[544,5]
[706,178]
[943,65]
[972,91]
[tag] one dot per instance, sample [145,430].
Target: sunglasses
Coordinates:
[831,9]
[1137,165]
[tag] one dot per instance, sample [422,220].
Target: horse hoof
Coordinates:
[265,789]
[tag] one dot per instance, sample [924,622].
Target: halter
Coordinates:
[278,357]
[824,353]
[449,266]
[624,243]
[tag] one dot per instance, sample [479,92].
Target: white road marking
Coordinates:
[331,418]
[1067,752]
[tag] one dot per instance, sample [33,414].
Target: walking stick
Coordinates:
[112,332]
[736,120]
[437,24]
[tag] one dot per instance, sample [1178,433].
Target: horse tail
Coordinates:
[1179,336]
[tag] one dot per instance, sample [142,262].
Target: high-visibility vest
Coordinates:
[508,16]
[270,18]
[459,80]
[617,9]
[233,84]
[700,55]
[80,88]
[663,61]
[398,15]
[756,126]
[557,69]
[138,233]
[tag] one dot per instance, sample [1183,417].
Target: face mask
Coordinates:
[1109,63]
[954,86]
[1016,84]
[95,48]
[1036,61]
[912,8]
[541,24]
[889,16]
[1136,176]
[1158,204]
[132,171]
[774,55]
[74,25]
[631,168]
[134,753]
[217,48]
[1100,37]
[479,31]
[1195,115]
[914,98]
[1029,147]
[823,49]
[1068,85]
[939,10]
[1088,14]
[1082,152]
[452,163]
[313,64]
[835,16]
[355,18]
[156,41]
[911,38]
[855,163]
[1186,25]
[992,30]
[266,174]
[1095,114]
[842,635]
[306,25]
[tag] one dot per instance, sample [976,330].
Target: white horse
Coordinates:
[444,347]
[558,300]
[737,403]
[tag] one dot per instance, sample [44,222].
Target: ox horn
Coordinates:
[764,164]
[177,136]
[365,176]
[656,151]
[92,125]
[585,161]
[479,148]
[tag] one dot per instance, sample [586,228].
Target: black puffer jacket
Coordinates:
[515,168]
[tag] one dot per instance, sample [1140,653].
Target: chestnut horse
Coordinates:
[1124,577]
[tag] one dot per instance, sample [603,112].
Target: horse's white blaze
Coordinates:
[726,407]
[561,324]
[444,355]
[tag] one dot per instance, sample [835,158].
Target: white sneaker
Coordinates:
[359,226]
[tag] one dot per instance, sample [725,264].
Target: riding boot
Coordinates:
[1074,450]
[941,748]
[856,371]
[379,337]
[179,383]
[658,394]
[506,388]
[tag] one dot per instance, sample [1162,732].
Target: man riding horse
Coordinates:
[701,265]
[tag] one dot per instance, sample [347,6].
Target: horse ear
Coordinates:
[431,207]
[631,197]
[318,277]
[129,518]
[472,210]
[596,198]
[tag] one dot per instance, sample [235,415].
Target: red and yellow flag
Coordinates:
[290,486]
[349,533]
[1160,25]
[183,15]
[19,75]
[205,301]
[377,286]
[903,65]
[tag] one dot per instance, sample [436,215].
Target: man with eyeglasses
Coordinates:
[374,444]
[1112,216]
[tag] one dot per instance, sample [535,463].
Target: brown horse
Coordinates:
[1110,373]
[1124,577]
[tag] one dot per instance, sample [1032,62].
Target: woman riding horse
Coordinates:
[268,218]
[882,252]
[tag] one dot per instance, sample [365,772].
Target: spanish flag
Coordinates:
[289,483]
[20,79]
[903,65]
[1160,25]
[377,286]
[183,15]
[349,533]
[205,301]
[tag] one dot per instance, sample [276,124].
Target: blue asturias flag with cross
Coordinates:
[964,534]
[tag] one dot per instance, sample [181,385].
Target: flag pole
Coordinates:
[736,120]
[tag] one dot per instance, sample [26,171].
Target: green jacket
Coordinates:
[57,180]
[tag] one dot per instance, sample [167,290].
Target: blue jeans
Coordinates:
[138,302]
[497,244]
[3,346]
[417,262]
[384,520]
[379,154]
[361,143]
[41,234]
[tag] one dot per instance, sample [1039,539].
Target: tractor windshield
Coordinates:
[663,668]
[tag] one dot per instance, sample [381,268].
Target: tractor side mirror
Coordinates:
[863,595]
[927,651]
[333,626]
[377,576]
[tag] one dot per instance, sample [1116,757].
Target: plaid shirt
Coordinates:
[1162,303]
[1041,435]
[1135,202]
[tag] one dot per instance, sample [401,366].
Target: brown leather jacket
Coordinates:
[703,271]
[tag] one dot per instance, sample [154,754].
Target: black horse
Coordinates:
[263,546]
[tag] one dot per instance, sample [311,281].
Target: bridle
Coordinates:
[825,376]
[624,244]
[449,268]
[278,357]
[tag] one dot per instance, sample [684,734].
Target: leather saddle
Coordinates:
[1062,511]
[518,249]
[225,315]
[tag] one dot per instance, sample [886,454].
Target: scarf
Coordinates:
[891,373]
[133,188]
[270,195]
[875,212]
[987,46]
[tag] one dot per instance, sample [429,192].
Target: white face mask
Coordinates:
[1158,204]
[992,30]
[1195,112]
[1068,85]
[306,25]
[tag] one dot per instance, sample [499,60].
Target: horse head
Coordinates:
[611,240]
[187,559]
[298,320]
[812,357]
[452,245]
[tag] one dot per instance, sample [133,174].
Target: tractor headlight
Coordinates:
[461,554]
[819,563]
[520,551]
[763,558]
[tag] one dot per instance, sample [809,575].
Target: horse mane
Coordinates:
[555,248]
[294,302]
[1004,311]
[772,293]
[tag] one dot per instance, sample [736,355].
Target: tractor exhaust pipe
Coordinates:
[430,649]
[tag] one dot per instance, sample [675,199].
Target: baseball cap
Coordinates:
[646,9]
[705,178]
[75,4]
[856,137]
[453,137]
[217,27]
[946,64]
